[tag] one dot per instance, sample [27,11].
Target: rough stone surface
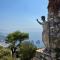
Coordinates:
[51,33]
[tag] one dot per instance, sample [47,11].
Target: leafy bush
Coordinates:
[5,54]
[27,51]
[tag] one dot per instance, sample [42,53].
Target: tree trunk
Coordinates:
[13,53]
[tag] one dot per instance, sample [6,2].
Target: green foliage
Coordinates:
[1,47]
[27,51]
[16,36]
[5,54]
[13,37]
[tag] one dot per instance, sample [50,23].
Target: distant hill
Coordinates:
[2,37]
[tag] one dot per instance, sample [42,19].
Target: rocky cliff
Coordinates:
[51,32]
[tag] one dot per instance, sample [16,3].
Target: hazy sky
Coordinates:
[21,15]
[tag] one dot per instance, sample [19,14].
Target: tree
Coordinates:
[27,51]
[13,37]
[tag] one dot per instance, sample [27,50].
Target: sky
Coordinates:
[21,15]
